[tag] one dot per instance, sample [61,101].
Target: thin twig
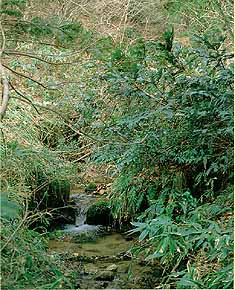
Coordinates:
[14,233]
[38,42]
[34,24]
[4,142]
[79,132]
[125,18]
[27,77]
[5,86]
[65,55]
[38,82]
[23,98]
[82,157]
[146,93]
[38,58]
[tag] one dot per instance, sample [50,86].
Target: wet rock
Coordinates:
[76,254]
[105,276]
[89,235]
[104,284]
[74,258]
[112,268]
[91,269]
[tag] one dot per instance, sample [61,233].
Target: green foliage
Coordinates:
[202,16]
[12,7]
[24,262]
[171,139]
[33,161]
[63,32]
[176,119]
[205,234]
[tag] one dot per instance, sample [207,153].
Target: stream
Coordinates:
[100,258]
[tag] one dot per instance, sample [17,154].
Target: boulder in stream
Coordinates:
[105,276]
[112,268]
[99,214]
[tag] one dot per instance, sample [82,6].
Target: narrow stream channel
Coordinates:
[102,259]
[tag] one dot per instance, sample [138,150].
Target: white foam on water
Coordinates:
[81,228]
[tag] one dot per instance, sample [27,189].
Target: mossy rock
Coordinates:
[99,214]
[86,237]
[50,194]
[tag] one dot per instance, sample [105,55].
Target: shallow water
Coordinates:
[108,245]
[103,253]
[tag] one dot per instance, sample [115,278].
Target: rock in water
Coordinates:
[99,214]
[105,276]
[112,268]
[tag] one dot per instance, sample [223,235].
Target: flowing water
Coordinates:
[100,259]
[83,202]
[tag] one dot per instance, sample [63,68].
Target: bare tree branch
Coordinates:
[5,92]
[37,57]
[5,85]
[27,77]
[23,98]
[38,42]
[78,132]
[56,86]
[3,40]
[62,56]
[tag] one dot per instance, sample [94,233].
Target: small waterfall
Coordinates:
[83,202]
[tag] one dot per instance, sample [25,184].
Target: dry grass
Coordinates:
[150,18]
[108,17]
